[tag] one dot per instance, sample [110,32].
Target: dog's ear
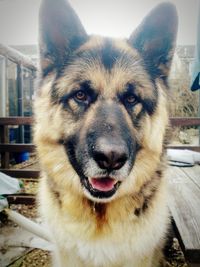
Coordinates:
[155,39]
[60,33]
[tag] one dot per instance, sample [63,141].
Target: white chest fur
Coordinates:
[128,243]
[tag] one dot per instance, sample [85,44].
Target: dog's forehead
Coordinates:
[109,53]
[108,64]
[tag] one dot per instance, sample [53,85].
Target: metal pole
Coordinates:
[2,87]
[20,100]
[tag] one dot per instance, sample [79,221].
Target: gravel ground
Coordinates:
[174,256]
[34,258]
[37,258]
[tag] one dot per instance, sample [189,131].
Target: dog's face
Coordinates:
[101,110]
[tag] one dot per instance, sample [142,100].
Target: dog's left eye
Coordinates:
[128,98]
[81,96]
[131,99]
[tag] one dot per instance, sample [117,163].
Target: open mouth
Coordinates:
[101,187]
[102,184]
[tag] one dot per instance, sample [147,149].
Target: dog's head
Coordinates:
[101,110]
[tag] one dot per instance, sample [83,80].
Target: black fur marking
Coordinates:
[57,197]
[147,197]
[146,204]
[159,173]
[55,192]
[149,105]
[153,70]
[70,145]
[109,54]
[143,208]
[137,212]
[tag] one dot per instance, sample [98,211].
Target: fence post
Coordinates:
[4,138]
[3,98]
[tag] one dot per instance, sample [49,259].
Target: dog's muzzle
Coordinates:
[104,153]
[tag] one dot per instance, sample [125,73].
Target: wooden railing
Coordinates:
[7,148]
[17,57]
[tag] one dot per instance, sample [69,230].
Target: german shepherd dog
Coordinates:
[101,115]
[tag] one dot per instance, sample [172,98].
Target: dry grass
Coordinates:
[184,102]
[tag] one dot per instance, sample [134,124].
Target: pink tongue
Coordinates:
[102,184]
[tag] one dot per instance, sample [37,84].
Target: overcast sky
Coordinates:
[118,18]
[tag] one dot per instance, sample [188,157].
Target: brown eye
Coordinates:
[131,99]
[81,96]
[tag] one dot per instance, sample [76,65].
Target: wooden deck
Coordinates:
[184,204]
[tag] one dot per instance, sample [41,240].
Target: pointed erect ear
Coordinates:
[155,39]
[61,32]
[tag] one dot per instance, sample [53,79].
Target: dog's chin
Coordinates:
[100,189]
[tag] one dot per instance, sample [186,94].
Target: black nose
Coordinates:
[110,156]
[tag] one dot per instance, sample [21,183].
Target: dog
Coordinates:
[101,116]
